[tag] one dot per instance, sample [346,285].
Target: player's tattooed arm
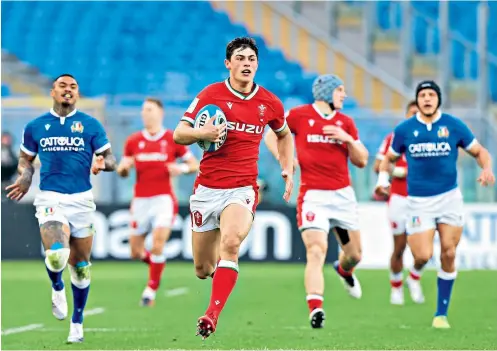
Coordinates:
[54,232]
[26,170]
[484,160]
[106,161]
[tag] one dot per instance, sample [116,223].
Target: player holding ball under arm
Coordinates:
[225,193]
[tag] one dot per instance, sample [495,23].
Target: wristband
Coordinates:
[184,168]
[383,179]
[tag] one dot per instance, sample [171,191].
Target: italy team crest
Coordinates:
[77,127]
[443,132]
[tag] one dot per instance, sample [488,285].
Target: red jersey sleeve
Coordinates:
[278,121]
[291,120]
[385,145]
[182,152]
[200,101]
[352,130]
[128,147]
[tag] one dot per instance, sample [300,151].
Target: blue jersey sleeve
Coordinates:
[397,146]
[466,138]
[99,142]
[28,143]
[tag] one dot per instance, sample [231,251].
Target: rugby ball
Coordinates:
[203,116]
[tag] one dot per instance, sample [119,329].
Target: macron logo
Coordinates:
[230,105]
[47,126]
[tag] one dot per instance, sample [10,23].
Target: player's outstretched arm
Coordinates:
[271,141]
[285,150]
[125,165]
[484,160]
[26,170]
[105,161]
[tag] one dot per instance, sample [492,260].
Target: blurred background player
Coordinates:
[65,140]
[325,141]
[225,196]
[397,215]
[153,152]
[430,142]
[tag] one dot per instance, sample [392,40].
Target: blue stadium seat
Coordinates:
[5,90]
[463,24]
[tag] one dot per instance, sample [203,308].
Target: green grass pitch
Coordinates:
[267,310]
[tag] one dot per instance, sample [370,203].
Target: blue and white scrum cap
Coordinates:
[429,84]
[323,87]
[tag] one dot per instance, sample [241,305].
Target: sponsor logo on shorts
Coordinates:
[394,225]
[310,216]
[197,218]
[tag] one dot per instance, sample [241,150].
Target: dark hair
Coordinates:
[155,101]
[411,104]
[64,75]
[241,43]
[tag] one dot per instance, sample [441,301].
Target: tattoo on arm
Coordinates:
[110,160]
[54,232]
[25,169]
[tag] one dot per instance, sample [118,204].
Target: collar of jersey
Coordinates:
[155,137]
[435,120]
[329,117]
[240,95]
[52,111]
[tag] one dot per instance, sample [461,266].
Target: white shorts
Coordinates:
[327,209]
[424,213]
[397,213]
[207,204]
[74,210]
[148,213]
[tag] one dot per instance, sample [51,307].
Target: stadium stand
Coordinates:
[132,54]
[426,38]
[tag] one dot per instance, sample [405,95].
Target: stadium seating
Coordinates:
[5,90]
[463,25]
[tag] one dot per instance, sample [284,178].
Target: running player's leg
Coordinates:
[345,224]
[397,212]
[421,244]
[163,213]
[55,233]
[349,258]
[137,247]
[79,265]
[396,268]
[55,238]
[205,247]
[140,225]
[449,239]
[450,227]
[316,245]
[235,223]
[157,263]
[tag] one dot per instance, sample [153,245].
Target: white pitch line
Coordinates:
[177,292]
[29,327]
[21,329]
[94,311]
